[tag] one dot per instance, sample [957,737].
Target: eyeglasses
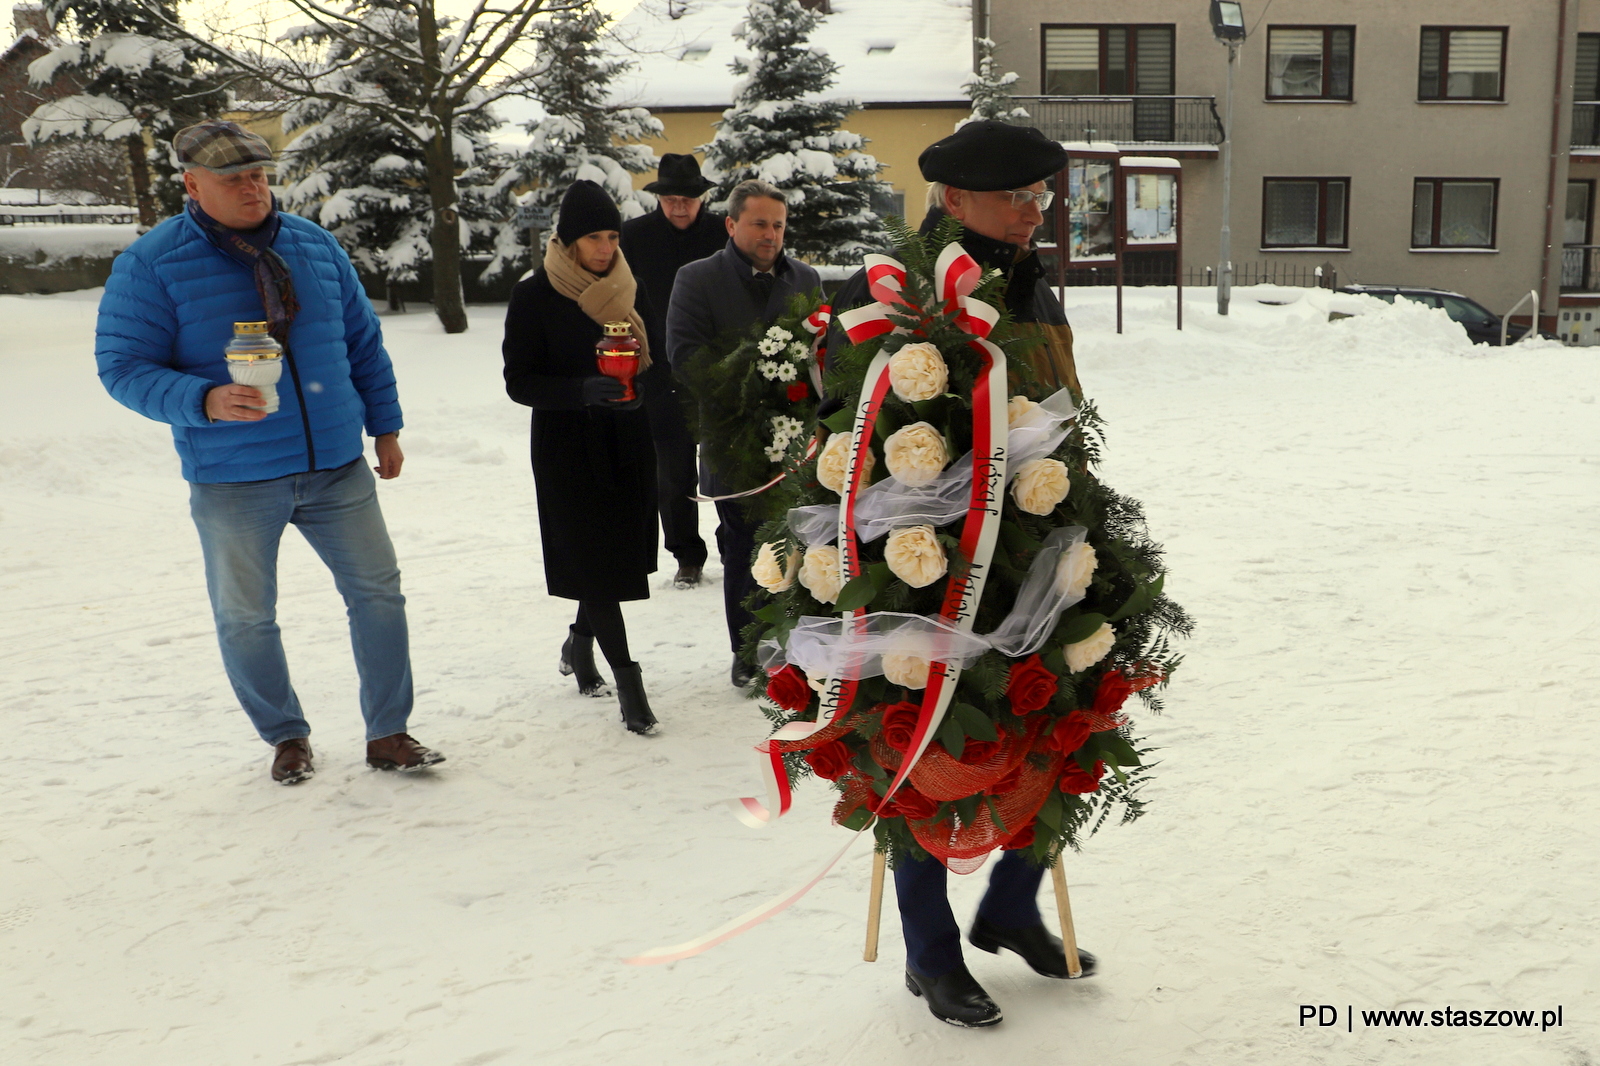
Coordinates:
[1023,197]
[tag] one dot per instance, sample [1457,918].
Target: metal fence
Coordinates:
[64,217]
[1586,124]
[1126,119]
[1294,275]
[1580,267]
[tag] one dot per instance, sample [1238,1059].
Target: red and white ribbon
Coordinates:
[816,324]
[956,274]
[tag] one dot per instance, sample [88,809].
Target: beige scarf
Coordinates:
[603,297]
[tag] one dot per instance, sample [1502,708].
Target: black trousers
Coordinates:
[933,939]
[736,543]
[676,477]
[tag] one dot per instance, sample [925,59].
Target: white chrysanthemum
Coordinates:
[908,670]
[916,454]
[820,572]
[785,428]
[775,573]
[1040,485]
[798,351]
[1085,653]
[784,371]
[769,369]
[918,372]
[915,556]
[768,346]
[779,334]
[1017,408]
[1075,570]
[835,458]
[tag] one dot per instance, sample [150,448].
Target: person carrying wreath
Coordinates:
[990,176]
[594,466]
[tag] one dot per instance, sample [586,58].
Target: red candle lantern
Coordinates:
[617,354]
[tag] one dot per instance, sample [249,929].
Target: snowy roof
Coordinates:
[888,51]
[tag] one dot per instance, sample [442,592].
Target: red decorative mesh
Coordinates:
[939,776]
[962,847]
[857,793]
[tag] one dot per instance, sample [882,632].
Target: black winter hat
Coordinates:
[585,209]
[679,175]
[986,155]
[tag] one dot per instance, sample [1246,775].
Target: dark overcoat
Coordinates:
[713,303]
[656,249]
[594,468]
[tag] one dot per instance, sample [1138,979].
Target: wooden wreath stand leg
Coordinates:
[874,908]
[1069,936]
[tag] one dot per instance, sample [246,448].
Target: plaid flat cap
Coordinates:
[221,147]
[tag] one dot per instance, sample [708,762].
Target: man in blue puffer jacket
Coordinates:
[167,315]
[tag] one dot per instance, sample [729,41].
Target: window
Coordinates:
[1309,62]
[1462,64]
[1451,213]
[1107,61]
[1304,212]
[1580,201]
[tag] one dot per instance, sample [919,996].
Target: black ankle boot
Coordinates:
[1038,947]
[635,705]
[577,657]
[955,997]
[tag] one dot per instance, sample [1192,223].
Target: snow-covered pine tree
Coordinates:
[990,91]
[778,131]
[582,135]
[140,79]
[362,177]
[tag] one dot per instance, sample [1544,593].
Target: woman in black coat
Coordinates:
[593,461]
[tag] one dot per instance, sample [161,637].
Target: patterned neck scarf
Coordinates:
[254,252]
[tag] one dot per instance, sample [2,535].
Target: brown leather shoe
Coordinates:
[400,752]
[291,761]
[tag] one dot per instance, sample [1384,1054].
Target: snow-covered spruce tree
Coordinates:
[139,79]
[362,177]
[779,131]
[990,91]
[581,134]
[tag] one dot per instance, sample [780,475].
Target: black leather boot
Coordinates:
[955,997]
[635,705]
[1037,946]
[577,657]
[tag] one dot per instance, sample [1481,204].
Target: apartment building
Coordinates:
[1441,143]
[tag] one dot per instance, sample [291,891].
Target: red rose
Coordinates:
[788,689]
[798,390]
[913,805]
[1023,837]
[978,751]
[1010,782]
[1113,692]
[1031,686]
[1069,733]
[1078,782]
[829,760]
[899,724]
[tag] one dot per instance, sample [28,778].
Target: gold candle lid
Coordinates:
[249,327]
[618,329]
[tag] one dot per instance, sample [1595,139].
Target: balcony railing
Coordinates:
[1586,124]
[1580,267]
[1168,120]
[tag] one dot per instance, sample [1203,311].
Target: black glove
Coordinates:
[601,390]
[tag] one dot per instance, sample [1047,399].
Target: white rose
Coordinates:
[1076,567]
[1017,408]
[915,454]
[1040,485]
[820,572]
[917,372]
[835,459]
[915,556]
[910,671]
[772,573]
[1085,653]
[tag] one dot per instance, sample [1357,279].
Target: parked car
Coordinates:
[1481,324]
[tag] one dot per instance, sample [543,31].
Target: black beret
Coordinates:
[987,155]
[586,209]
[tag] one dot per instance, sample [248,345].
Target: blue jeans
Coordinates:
[337,512]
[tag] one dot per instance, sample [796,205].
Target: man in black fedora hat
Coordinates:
[678,231]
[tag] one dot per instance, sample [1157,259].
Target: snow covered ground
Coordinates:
[1377,759]
[68,240]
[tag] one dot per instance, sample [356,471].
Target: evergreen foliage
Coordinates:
[990,91]
[581,136]
[140,78]
[362,177]
[778,131]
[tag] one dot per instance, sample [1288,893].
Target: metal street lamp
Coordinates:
[1227,25]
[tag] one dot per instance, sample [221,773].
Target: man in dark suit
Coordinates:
[748,281]
[994,178]
[677,232]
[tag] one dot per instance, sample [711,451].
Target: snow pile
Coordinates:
[1377,758]
[48,244]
